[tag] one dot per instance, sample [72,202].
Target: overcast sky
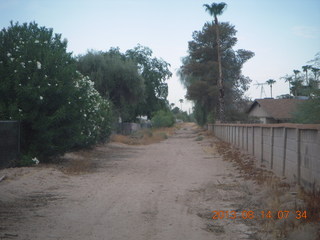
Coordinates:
[283,34]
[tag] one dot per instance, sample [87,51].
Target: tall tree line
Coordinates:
[134,81]
[200,73]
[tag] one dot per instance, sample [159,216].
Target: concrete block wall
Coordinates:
[289,150]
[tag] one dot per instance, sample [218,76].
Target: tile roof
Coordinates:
[278,108]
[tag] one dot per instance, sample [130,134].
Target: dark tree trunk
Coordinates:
[221,113]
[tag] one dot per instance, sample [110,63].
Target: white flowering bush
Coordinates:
[58,107]
[95,112]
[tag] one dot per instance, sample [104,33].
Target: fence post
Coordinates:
[253,140]
[247,135]
[271,145]
[298,155]
[239,136]
[284,151]
[233,135]
[261,154]
[242,132]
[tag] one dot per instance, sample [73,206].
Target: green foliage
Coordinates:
[155,72]
[182,116]
[116,77]
[162,118]
[135,82]
[200,115]
[175,110]
[215,9]
[26,161]
[179,114]
[211,118]
[305,82]
[308,112]
[58,108]
[199,72]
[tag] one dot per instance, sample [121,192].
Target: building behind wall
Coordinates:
[271,110]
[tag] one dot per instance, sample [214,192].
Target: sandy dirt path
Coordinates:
[161,191]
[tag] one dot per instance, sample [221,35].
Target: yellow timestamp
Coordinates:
[268,214]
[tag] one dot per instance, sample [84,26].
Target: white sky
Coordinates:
[283,34]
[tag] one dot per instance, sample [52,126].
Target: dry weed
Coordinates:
[145,136]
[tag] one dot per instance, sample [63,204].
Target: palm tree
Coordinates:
[315,71]
[296,72]
[216,9]
[288,79]
[305,69]
[172,105]
[271,82]
[181,101]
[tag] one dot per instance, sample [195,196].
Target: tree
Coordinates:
[155,72]
[305,69]
[216,9]
[181,101]
[308,112]
[297,87]
[117,78]
[58,108]
[199,73]
[288,79]
[296,72]
[270,83]
[315,72]
[175,110]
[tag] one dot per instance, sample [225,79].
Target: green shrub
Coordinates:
[308,112]
[58,107]
[27,161]
[162,119]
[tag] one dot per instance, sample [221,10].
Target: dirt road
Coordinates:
[161,191]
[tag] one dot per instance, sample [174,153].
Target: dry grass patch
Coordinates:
[145,136]
[76,163]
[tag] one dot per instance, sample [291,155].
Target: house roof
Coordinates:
[277,108]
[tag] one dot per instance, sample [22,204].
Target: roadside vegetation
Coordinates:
[146,136]
[306,83]
[66,103]
[58,107]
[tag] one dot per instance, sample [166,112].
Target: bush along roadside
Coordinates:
[163,118]
[58,108]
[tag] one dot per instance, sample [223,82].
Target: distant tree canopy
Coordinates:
[309,111]
[155,72]
[305,82]
[116,78]
[199,72]
[133,81]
